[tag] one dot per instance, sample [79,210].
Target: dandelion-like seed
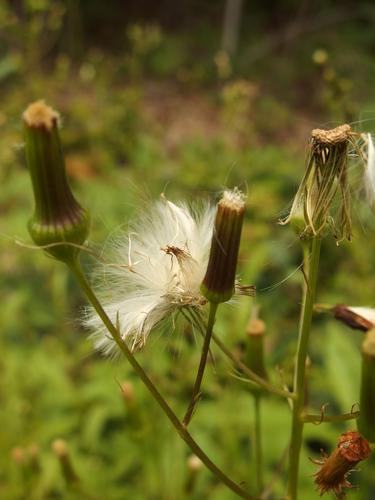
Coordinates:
[324,181]
[157,270]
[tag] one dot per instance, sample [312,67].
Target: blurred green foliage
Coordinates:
[149,109]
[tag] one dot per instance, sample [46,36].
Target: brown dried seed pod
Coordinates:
[332,475]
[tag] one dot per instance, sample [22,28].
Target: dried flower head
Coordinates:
[335,468]
[325,181]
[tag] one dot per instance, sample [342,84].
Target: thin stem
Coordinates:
[258,444]
[182,431]
[202,364]
[252,375]
[318,419]
[300,372]
[244,368]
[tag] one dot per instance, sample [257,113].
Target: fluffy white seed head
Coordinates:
[156,269]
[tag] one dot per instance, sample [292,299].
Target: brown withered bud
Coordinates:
[322,202]
[334,469]
[358,318]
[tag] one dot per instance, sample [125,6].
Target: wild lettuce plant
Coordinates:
[178,259]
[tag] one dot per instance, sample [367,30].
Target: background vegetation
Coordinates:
[152,104]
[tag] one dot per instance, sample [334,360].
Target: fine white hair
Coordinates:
[157,268]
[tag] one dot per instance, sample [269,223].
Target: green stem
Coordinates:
[252,375]
[182,431]
[244,368]
[318,419]
[202,364]
[300,371]
[258,444]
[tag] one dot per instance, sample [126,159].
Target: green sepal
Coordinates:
[75,233]
[215,296]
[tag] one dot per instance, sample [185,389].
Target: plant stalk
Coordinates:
[300,371]
[319,419]
[202,364]
[258,444]
[252,376]
[76,269]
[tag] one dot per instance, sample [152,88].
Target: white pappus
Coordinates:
[157,269]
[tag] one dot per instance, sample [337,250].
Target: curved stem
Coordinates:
[202,364]
[252,375]
[258,445]
[300,372]
[76,269]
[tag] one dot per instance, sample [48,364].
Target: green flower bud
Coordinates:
[61,450]
[58,217]
[255,349]
[366,419]
[219,282]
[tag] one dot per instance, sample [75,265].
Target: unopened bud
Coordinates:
[335,468]
[127,390]
[18,455]
[194,463]
[255,346]
[34,454]
[366,419]
[320,57]
[58,218]
[60,448]
[219,282]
